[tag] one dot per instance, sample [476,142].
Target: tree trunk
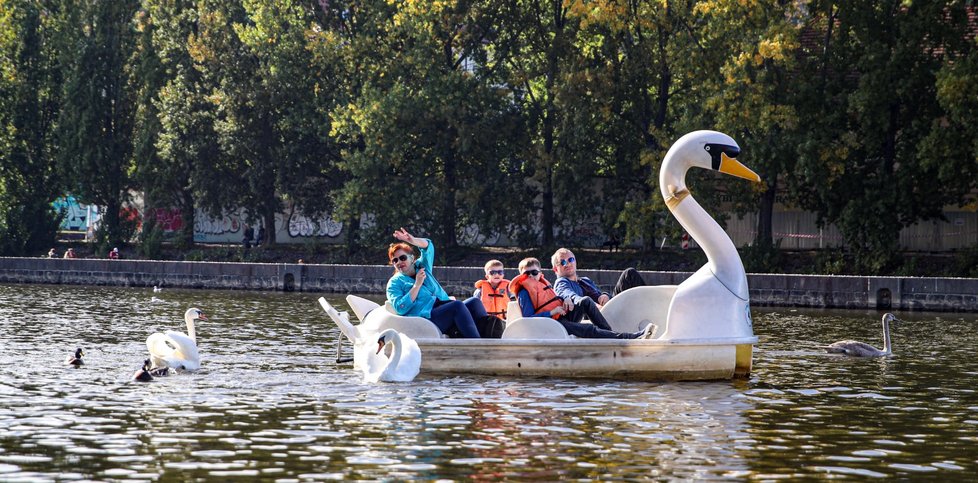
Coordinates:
[185,239]
[110,223]
[548,218]
[449,214]
[353,235]
[268,220]
[765,216]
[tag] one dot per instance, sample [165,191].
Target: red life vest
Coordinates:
[495,299]
[541,293]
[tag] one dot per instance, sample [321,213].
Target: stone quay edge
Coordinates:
[766,290]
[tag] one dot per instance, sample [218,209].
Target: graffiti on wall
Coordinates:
[303,226]
[78,217]
[210,229]
[205,225]
[168,219]
[472,236]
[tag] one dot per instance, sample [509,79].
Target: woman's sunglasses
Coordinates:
[495,272]
[564,263]
[532,273]
[401,258]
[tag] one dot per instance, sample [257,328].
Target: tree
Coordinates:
[174,118]
[869,160]
[96,120]
[639,68]
[268,119]
[753,97]
[437,129]
[29,103]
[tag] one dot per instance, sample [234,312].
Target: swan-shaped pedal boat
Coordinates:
[705,330]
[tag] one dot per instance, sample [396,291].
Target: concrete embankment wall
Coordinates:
[820,291]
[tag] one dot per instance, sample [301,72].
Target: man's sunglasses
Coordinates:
[402,258]
[532,273]
[565,262]
[495,272]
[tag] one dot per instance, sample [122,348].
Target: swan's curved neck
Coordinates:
[721,254]
[396,354]
[391,366]
[190,329]
[887,348]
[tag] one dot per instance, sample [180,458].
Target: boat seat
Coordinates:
[632,309]
[361,306]
[535,328]
[513,311]
[413,327]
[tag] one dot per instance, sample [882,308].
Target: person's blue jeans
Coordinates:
[452,313]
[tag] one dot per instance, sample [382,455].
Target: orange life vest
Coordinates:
[495,299]
[541,293]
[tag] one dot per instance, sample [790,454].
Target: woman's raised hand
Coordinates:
[404,236]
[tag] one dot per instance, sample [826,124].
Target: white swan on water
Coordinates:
[175,349]
[862,349]
[402,365]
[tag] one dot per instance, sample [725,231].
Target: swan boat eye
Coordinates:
[717,150]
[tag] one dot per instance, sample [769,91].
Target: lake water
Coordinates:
[270,404]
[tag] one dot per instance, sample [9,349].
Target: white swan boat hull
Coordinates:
[646,360]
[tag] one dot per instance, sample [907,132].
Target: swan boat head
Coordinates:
[702,149]
[714,301]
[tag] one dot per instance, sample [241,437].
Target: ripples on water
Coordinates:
[270,404]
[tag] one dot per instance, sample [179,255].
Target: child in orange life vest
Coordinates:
[494,290]
[538,299]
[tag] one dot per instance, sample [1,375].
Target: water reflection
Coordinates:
[270,403]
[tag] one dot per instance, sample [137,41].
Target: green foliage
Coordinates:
[516,117]
[831,262]
[151,242]
[95,125]
[879,155]
[29,103]
[432,134]
[965,263]
[762,259]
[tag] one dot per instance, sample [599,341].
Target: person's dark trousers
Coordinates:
[589,331]
[452,313]
[475,307]
[489,326]
[628,279]
[590,308]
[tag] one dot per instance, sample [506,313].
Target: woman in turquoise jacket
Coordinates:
[413,290]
